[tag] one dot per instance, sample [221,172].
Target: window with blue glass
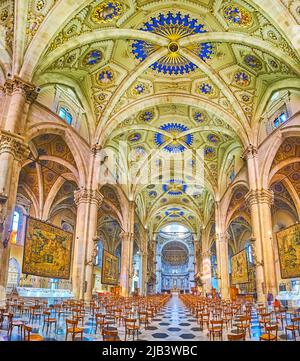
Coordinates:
[249,253]
[99,248]
[65,114]
[280,120]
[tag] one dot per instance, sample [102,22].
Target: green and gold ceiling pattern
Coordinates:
[167,78]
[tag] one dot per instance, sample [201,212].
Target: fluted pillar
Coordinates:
[126,262]
[260,202]
[88,202]
[13,151]
[144,273]
[222,252]
[19,95]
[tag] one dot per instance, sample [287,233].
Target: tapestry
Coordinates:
[239,266]
[47,250]
[288,241]
[110,269]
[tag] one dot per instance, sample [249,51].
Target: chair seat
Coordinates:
[36,337]
[133,327]
[292,328]
[75,330]
[216,329]
[267,337]
[51,320]
[17,323]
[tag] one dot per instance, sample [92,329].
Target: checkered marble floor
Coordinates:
[173,323]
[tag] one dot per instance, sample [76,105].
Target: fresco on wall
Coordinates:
[110,269]
[289,251]
[239,267]
[47,250]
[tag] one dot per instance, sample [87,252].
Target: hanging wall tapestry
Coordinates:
[110,269]
[289,251]
[47,250]
[239,266]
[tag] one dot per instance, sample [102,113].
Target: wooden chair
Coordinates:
[216,329]
[268,335]
[280,316]
[143,318]
[35,313]
[236,337]
[73,329]
[28,336]
[265,319]
[204,318]
[49,321]
[78,315]
[13,323]
[109,335]
[294,327]
[101,322]
[244,324]
[131,328]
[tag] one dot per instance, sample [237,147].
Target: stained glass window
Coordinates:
[15,228]
[66,115]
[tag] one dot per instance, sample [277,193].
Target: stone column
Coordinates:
[222,253]
[144,257]
[206,271]
[222,262]
[13,151]
[88,202]
[19,95]
[260,202]
[126,262]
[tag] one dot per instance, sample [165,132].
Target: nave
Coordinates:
[154,318]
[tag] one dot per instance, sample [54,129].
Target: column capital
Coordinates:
[249,152]
[86,195]
[15,145]
[126,236]
[260,196]
[223,237]
[19,86]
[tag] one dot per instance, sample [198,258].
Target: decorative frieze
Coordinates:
[13,144]
[85,195]
[260,196]
[19,86]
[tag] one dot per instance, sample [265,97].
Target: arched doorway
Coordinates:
[175,259]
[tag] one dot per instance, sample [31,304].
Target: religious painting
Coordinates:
[289,251]
[239,266]
[47,250]
[110,269]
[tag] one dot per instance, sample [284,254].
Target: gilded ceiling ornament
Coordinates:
[134,137]
[146,116]
[40,4]
[213,138]
[107,12]
[93,57]
[173,27]
[242,79]
[237,16]
[207,89]
[253,62]
[199,117]
[209,153]
[175,130]
[138,89]
[174,187]
[105,77]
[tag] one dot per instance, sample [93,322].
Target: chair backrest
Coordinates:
[72,323]
[270,329]
[27,330]
[216,324]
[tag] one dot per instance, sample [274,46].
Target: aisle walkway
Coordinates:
[174,323]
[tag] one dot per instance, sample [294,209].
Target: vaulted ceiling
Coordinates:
[166,78]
